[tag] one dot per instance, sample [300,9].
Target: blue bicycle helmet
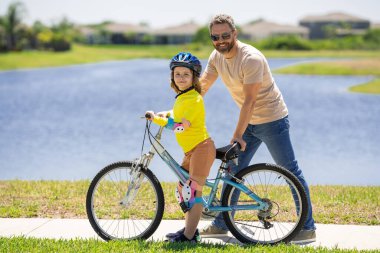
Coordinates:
[186,60]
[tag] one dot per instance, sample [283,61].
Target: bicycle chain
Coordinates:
[263,221]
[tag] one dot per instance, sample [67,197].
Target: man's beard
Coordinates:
[226,49]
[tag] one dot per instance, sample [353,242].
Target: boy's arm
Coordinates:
[161,121]
[169,123]
[177,127]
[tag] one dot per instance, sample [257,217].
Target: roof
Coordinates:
[86,30]
[336,16]
[264,28]
[123,28]
[189,28]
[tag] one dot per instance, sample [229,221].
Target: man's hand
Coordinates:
[240,140]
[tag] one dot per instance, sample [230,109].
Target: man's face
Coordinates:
[223,38]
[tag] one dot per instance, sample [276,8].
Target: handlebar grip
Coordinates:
[236,144]
[147,115]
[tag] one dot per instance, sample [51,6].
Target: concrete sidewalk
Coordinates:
[340,236]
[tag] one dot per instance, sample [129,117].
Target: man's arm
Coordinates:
[206,81]
[250,93]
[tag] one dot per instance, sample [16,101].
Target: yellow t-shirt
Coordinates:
[190,106]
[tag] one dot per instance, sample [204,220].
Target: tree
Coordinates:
[372,35]
[64,27]
[58,38]
[11,22]
[202,36]
[3,42]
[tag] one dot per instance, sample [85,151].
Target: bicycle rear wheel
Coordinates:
[107,212]
[285,196]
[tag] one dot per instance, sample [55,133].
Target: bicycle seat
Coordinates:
[228,152]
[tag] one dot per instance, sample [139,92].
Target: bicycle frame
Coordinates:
[183,176]
[136,206]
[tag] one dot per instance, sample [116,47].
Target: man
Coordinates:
[263,113]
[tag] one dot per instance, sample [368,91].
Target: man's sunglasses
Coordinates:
[225,36]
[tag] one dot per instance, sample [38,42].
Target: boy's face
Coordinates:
[183,77]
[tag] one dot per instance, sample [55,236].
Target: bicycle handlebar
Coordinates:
[236,144]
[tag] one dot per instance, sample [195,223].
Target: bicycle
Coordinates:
[125,200]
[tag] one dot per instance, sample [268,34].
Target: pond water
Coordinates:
[67,123]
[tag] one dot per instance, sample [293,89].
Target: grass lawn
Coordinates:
[86,54]
[368,66]
[20,244]
[372,87]
[66,199]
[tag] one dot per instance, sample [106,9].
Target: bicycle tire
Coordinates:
[282,190]
[111,220]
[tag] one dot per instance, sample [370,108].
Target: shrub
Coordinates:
[60,44]
[202,36]
[285,43]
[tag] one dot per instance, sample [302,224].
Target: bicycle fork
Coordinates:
[136,177]
[136,180]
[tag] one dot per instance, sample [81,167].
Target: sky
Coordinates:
[164,13]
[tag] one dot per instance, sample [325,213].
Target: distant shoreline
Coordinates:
[359,63]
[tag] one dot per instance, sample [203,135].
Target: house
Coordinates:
[375,26]
[115,33]
[264,29]
[127,33]
[180,34]
[90,35]
[334,25]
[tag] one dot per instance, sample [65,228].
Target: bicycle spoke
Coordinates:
[110,217]
[282,196]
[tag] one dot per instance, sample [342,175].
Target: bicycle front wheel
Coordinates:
[287,205]
[114,218]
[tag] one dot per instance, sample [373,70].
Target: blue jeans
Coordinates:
[276,137]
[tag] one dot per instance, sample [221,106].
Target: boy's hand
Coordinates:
[163,114]
[151,114]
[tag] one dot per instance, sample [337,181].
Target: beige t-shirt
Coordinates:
[249,66]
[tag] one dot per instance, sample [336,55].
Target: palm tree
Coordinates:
[11,21]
